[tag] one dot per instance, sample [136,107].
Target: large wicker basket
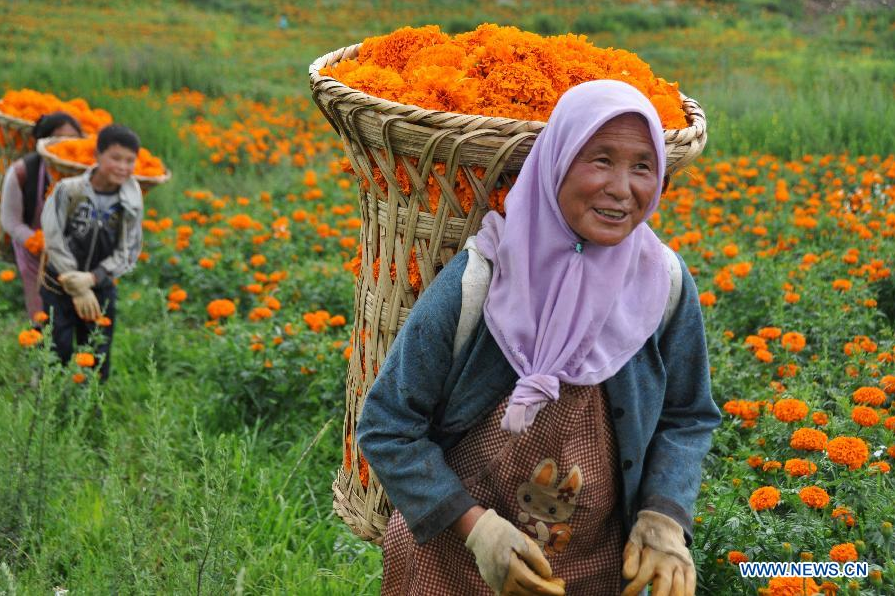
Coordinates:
[378,135]
[15,139]
[59,168]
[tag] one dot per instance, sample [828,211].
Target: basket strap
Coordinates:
[477,279]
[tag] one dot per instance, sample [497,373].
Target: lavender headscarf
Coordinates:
[558,314]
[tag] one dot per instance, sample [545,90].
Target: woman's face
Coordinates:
[610,184]
[66,130]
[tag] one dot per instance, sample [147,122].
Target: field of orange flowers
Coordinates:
[204,465]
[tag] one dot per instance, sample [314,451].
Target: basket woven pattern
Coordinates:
[59,168]
[15,139]
[399,153]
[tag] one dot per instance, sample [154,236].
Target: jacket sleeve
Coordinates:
[394,428]
[123,259]
[53,220]
[673,464]
[11,208]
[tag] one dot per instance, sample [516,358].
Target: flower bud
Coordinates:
[886,529]
[860,546]
[876,577]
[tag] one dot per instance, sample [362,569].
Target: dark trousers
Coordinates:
[70,331]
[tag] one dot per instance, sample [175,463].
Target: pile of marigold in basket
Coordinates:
[30,105]
[83,151]
[495,71]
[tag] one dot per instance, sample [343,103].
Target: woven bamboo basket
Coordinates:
[398,226]
[15,139]
[59,168]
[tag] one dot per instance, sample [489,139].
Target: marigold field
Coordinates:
[204,466]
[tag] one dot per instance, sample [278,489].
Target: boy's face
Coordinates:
[116,163]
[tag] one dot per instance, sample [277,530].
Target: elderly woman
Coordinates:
[24,187]
[559,449]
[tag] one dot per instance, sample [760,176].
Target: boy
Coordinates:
[93,234]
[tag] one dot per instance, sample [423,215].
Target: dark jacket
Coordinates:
[423,402]
[81,236]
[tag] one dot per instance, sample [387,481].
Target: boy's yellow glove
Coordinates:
[657,553]
[77,284]
[510,562]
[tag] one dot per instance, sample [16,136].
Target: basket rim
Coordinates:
[42,145]
[4,117]
[692,109]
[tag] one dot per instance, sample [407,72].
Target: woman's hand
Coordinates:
[510,562]
[657,553]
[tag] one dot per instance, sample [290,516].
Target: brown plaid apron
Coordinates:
[559,483]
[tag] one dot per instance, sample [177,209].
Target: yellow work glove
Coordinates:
[87,306]
[657,553]
[76,283]
[509,561]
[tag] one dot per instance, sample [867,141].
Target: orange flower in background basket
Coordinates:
[35,243]
[30,105]
[496,71]
[83,151]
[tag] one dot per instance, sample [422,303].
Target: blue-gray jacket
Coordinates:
[423,401]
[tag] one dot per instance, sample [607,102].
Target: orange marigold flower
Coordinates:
[889,423]
[787,370]
[259,313]
[864,416]
[754,461]
[730,250]
[880,467]
[30,337]
[808,439]
[790,410]
[843,285]
[887,383]
[766,497]
[845,514]
[7,275]
[742,408]
[869,395]
[41,317]
[85,359]
[792,586]
[707,299]
[741,269]
[78,378]
[848,451]
[771,465]
[756,342]
[103,321]
[793,341]
[219,309]
[814,496]
[820,418]
[764,356]
[736,557]
[844,552]
[799,467]
[258,260]
[770,332]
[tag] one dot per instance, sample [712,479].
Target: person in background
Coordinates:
[23,192]
[93,235]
